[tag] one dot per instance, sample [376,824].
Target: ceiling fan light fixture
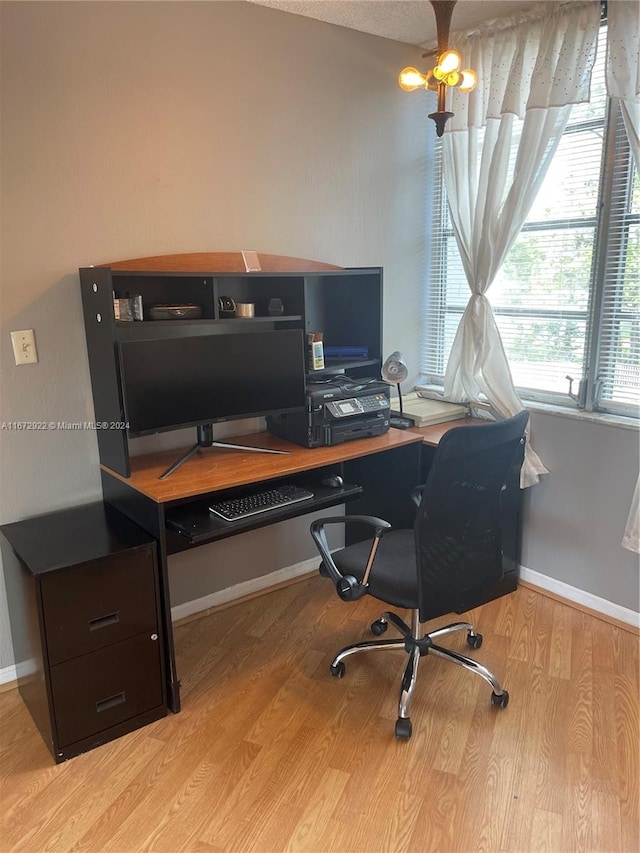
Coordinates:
[446,72]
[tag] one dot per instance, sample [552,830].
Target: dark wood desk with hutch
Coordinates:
[345,304]
[378,472]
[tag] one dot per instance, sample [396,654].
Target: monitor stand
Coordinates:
[205,439]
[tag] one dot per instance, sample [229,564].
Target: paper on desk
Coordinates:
[424,412]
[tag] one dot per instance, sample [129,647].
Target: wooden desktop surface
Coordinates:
[432,434]
[214,469]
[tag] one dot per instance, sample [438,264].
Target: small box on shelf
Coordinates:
[316,350]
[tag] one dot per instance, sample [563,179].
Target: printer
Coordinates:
[338,410]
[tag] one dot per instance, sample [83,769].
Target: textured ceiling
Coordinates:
[410,21]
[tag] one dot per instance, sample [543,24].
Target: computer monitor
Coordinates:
[177,382]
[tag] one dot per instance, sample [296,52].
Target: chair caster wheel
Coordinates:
[500,700]
[379,627]
[337,670]
[474,640]
[403,728]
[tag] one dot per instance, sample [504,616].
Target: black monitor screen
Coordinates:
[187,381]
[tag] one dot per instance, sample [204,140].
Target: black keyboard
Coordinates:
[236,508]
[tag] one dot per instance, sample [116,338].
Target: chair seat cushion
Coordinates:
[394,577]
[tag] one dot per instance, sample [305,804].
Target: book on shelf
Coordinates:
[424,412]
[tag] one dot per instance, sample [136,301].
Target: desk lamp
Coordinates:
[394,371]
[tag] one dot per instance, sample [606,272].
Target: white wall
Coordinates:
[132,129]
[574,520]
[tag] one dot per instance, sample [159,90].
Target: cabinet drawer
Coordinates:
[92,605]
[97,691]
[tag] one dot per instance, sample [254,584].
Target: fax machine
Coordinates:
[337,411]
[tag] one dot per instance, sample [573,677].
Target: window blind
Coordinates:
[616,365]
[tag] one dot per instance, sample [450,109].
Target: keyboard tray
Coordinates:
[191,523]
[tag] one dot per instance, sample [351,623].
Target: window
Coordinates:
[566,300]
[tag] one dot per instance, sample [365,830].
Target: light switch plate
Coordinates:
[24,346]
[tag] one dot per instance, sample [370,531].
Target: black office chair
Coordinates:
[449,562]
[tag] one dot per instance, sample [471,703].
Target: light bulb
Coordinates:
[410,79]
[469,80]
[452,78]
[449,61]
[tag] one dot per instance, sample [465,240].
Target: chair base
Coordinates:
[417,645]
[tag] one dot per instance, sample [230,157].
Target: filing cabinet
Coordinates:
[82,588]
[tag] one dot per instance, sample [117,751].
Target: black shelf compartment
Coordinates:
[259,289]
[344,304]
[346,308]
[165,289]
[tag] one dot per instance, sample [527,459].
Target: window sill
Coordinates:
[552,409]
[580,415]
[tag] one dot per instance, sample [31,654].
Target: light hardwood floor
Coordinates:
[271,754]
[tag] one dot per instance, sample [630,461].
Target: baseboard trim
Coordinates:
[216,601]
[8,678]
[615,614]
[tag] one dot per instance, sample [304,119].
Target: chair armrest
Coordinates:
[347,587]
[416,494]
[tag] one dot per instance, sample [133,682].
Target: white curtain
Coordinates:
[623,65]
[533,67]
[623,82]
[631,537]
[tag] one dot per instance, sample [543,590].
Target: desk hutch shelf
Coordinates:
[344,304]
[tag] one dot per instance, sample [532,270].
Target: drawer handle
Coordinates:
[103,621]
[111,702]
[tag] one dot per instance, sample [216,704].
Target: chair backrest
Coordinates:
[457,526]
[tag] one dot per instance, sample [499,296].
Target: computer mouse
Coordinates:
[333,481]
